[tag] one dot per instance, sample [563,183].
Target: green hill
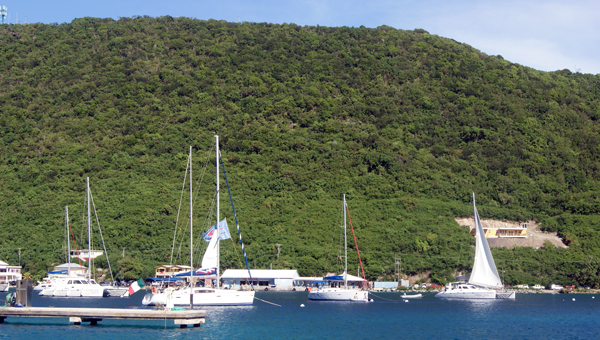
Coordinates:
[407,124]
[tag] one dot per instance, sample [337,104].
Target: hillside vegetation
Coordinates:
[405,123]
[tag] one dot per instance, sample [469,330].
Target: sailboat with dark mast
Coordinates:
[202,296]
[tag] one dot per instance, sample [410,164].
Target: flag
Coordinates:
[137,285]
[223,231]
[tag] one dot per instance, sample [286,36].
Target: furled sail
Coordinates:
[484,269]
[211,255]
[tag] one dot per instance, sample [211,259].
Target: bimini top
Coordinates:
[69,265]
[262,274]
[165,279]
[341,278]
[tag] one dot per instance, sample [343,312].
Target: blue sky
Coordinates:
[546,35]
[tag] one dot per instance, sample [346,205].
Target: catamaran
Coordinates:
[340,293]
[73,285]
[484,281]
[202,296]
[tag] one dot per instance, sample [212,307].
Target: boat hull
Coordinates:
[466,291]
[202,297]
[338,294]
[115,292]
[467,295]
[65,288]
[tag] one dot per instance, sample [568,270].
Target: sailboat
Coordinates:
[74,285]
[340,293]
[202,296]
[484,281]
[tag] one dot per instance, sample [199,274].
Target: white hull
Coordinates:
[339,294]
[202,297]
[68,288]
[414,296]
[87,292]
[115,292]
[466,291]
[467,295]
[505,295]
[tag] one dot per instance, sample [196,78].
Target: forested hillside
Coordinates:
[405,123]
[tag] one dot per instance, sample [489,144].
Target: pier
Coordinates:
[182,318]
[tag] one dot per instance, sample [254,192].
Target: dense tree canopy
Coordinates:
[407,124]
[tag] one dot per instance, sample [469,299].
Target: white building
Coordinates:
[262,278]
[9,273]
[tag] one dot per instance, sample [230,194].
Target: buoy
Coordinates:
[573,299]
[302,305]
[593,297]
[405,300]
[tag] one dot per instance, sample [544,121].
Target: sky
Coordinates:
[546,35]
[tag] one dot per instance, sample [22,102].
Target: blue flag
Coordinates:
[223,231]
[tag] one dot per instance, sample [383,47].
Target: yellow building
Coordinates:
[165,271]
[503,232]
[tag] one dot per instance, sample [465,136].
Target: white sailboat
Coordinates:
[340,293]
[484,281]
[72,285]
[202,296]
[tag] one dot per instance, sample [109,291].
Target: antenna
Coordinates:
[3,13]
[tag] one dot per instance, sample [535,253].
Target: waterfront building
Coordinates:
[262,278]
[9,273]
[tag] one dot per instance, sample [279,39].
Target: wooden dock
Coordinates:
[93,315]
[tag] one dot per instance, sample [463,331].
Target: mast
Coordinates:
[474,213]
[218,217]
[68,243]
[191,240]
[345,245]
[87,185]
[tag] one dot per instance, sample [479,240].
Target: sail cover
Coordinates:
[484,269]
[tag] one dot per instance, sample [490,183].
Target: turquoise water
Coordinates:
[530,316]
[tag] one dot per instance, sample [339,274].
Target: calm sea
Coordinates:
[530,316]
